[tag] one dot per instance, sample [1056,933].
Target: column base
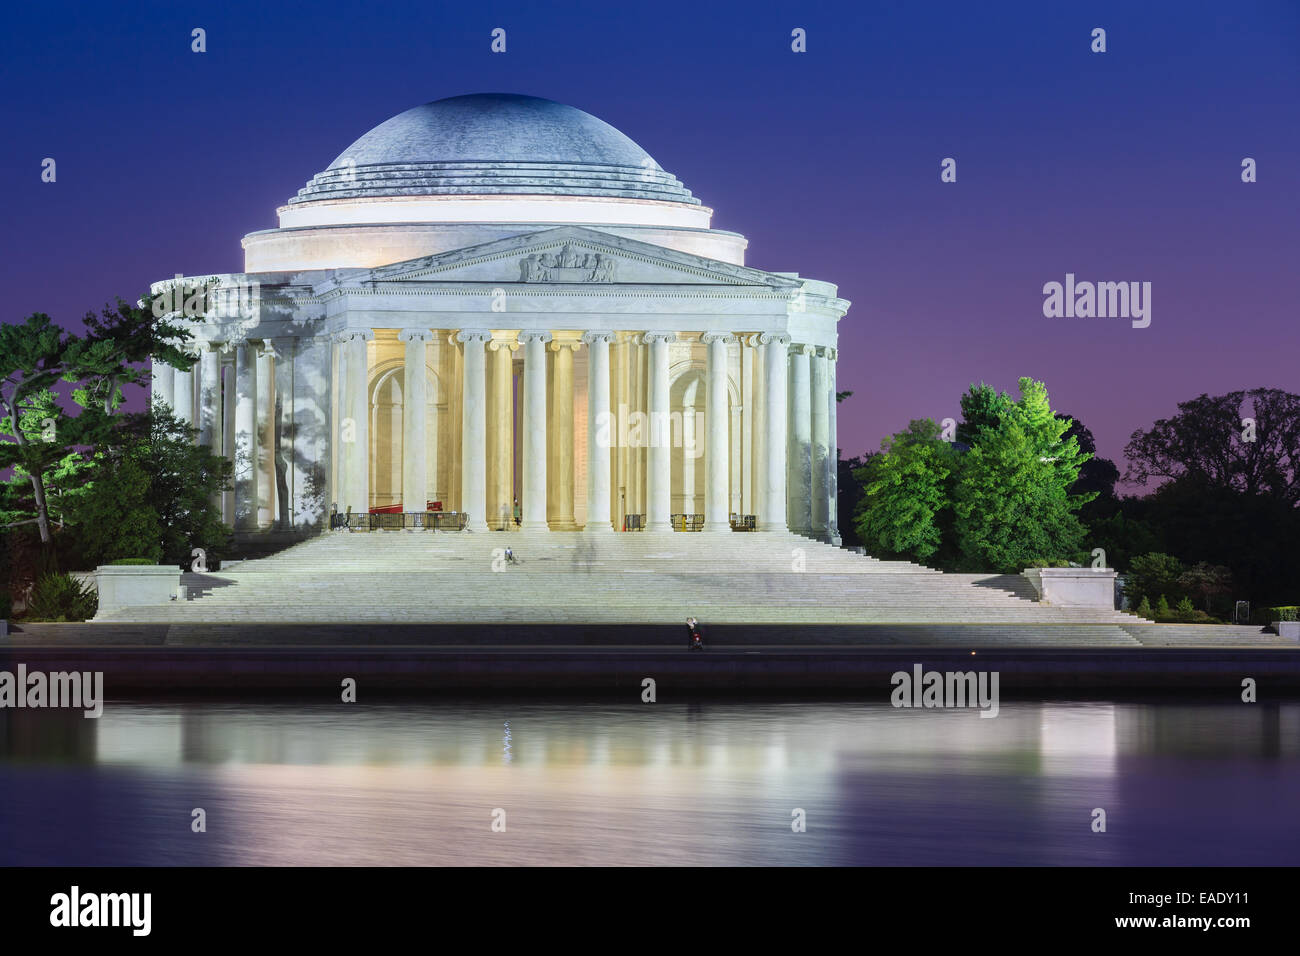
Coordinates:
[768,526]
[598,527]
[536,526]
[718,527]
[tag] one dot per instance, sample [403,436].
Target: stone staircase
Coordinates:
[1205,635]
[643,578]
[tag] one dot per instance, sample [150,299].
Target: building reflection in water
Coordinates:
[691,783]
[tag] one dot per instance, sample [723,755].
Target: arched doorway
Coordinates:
[387,431]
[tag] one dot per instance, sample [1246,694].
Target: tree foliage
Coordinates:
[906,493]
[1210,444]
[36,354]
[1003,498]
[1013,505]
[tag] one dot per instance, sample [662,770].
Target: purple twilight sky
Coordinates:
[1115,166]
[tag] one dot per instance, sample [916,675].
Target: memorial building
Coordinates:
[496,307]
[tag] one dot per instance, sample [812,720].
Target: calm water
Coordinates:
[417,783]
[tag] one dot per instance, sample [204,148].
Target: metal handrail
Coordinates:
[415,520]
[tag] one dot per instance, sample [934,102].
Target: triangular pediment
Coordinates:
[567,255]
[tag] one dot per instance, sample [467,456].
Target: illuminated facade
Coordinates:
[497,298]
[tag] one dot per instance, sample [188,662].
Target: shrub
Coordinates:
[1162,609]
[61,597]
[1144,609]
[1185,611]
[1285,613]
[133,561]
[1152,574]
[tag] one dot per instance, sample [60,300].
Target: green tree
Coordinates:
[1152,575]
[33,357]
[906,493]
[186,481]
[36,354]
[1012,503]
[1144,609]
[1206,582]
[116,518]
[982,408]
[1122,538]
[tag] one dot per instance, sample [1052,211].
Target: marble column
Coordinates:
[228,427]
[161,384]
[799,448]
[501,431]
[772,517]
[208,412]
[415,402]
[718,447]
[183,395]
[601,433]
[562,438]
[356,420]
[266,484]
[758,416]
[245,456]
[821,430]
[473,455]
[659,465]
[747,403]
[833,519]
[535,447]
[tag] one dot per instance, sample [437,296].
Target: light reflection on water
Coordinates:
[601,783]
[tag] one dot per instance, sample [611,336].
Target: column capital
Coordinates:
[473,335]
[265,348]
[497,344]
[657,336]
[349,335]
[534,335]
[829,352]
[415,335]
[591,338]
[726,338]
[802,348]
[571,344]
[774,338]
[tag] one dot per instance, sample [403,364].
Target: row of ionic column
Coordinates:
[813,456]
[475,441]
[793,447]
[229,398]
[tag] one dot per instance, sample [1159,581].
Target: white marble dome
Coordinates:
[470,169]
[494,144]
